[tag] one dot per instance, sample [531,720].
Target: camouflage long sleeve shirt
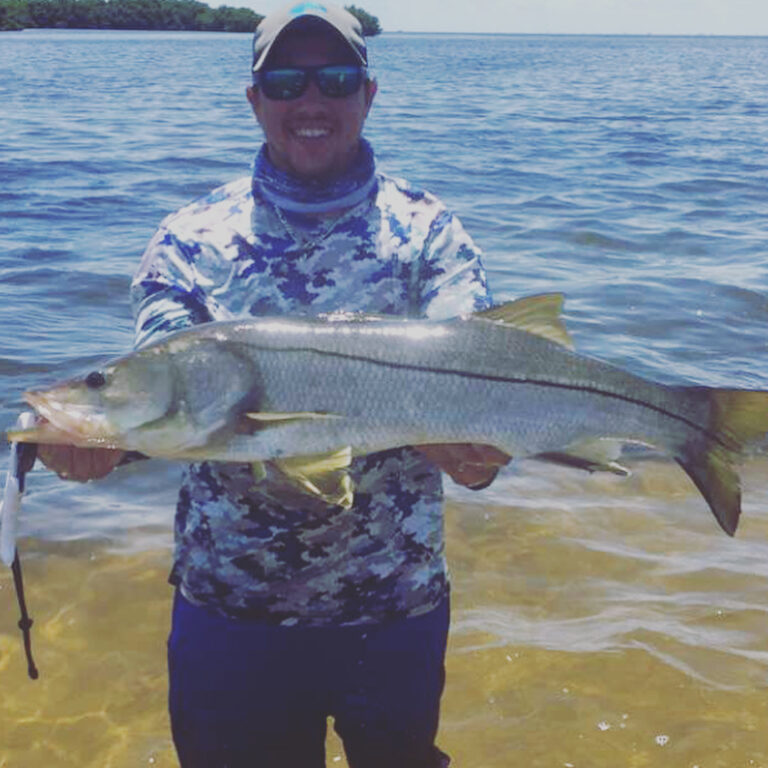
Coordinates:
[262,551]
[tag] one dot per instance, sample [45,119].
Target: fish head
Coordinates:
[108,406]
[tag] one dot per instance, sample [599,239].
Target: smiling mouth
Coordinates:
[311,133]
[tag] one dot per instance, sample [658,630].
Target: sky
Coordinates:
[658,17]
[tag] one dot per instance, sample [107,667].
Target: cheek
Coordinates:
[269,117]
[352,118]
[266,120]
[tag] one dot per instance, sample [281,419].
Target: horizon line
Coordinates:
[424,32]
[575,34]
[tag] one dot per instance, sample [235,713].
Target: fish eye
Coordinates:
[95,380]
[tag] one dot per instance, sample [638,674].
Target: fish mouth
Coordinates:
[67,422]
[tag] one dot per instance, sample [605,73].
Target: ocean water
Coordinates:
[598,622]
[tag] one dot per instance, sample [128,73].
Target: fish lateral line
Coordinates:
[588,389]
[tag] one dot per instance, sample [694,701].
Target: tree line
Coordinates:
[140,14]
[369,23]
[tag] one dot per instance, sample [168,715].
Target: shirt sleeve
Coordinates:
[451,277]
[166,293]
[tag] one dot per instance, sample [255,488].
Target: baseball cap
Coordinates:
[307,15]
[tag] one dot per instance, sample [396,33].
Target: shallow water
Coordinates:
[599,622]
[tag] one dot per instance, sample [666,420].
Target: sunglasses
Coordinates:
[334,80]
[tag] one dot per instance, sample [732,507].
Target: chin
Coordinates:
[317,170]
[321,161]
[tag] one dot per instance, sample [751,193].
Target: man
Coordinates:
[288,611]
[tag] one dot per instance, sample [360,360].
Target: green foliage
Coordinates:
[142,14]
[370,24]
[14,14]
[228,19]
[125,14]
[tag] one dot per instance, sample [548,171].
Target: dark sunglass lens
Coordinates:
[283,84]
[338,81]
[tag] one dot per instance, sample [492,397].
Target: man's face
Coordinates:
[313,136]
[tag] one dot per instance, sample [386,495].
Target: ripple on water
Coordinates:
[627,172]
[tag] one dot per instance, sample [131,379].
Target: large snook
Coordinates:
[271,389]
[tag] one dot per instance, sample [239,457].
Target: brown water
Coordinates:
[598,622]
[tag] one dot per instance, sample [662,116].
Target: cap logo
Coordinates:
[302,8]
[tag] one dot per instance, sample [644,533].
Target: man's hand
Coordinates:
[474,466]
[81,464]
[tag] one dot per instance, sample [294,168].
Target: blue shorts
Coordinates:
[245,694]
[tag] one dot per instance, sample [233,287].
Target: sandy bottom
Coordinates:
[605,624]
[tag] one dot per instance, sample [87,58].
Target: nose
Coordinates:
[312,93]
[311,104]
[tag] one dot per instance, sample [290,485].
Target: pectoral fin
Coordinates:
[323,475]
[255,421]
[273,418]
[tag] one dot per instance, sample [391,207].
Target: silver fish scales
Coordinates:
[308,394]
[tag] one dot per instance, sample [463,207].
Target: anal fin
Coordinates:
[592,455]
[582,462]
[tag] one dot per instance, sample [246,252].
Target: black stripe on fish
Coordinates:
[719,438]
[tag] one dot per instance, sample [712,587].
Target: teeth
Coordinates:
[311,133]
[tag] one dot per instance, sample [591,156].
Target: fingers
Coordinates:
[80,464]
[494,455]
[472,474]
[472,465]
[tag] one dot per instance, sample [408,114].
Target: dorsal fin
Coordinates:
[539,315]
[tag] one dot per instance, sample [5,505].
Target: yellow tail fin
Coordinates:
[738,419]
